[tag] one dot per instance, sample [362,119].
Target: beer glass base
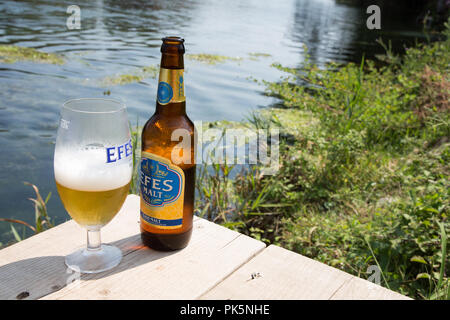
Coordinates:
[94,261]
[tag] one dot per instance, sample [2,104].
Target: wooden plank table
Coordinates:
[217,264]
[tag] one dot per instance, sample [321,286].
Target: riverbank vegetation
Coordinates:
[364,169]
[364,175]
[42,221]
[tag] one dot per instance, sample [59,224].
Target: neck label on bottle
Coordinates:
[171,86]
[162,192]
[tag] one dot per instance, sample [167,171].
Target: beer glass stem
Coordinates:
[94,241]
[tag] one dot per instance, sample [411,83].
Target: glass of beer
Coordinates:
[93,168]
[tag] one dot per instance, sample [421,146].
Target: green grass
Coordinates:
[11,54]
[42,220]
[364,177]
[136,143]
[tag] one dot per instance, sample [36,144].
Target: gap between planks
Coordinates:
[228,275]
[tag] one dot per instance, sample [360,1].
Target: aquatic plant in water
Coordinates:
[121,79]
[12,54]
[211,58]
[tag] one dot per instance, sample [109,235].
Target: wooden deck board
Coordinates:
[217,264]
[361,289]
[211,256]
[288,275]
[36,265]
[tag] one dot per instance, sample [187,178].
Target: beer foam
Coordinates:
[87,170]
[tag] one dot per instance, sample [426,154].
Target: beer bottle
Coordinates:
[167,176]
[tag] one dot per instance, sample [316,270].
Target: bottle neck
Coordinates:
[171,109]
[170,96]
[172,60]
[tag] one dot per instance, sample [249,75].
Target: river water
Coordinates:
[120,37]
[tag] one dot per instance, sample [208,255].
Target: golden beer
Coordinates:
[91,195]
[92,208]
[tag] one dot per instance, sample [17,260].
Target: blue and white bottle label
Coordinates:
[162,192]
